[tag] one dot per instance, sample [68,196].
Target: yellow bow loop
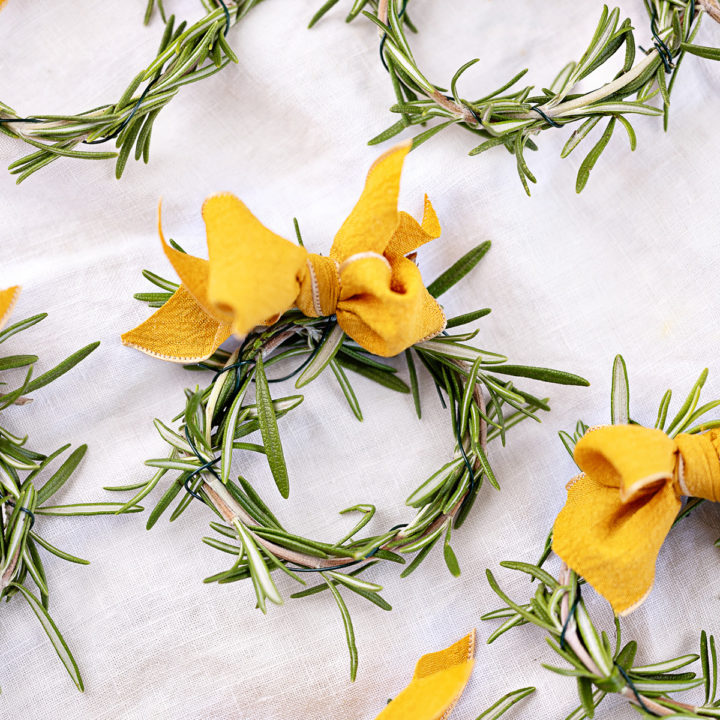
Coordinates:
[699,474]
[8,298]
[619,512]
[252,276]
[437,684]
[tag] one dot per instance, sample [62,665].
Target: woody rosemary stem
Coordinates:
[573,640]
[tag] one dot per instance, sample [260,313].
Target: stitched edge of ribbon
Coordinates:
[470,656]
[169,358]
[363,256]
[13,299]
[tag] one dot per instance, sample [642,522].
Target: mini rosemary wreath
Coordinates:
[23,499]
[362,304]
[602,668]
[506,116]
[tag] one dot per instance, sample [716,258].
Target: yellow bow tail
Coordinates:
[8,298]
[437,684]
[619,512]
[252,276]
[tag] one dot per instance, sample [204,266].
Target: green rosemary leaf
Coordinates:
[347,623]
[668,666]
[469,395]
[382,377]
[101,508]
[620,394]
[324,355]
[431,132]
[663,411]
[705,662]
[15,361]
[534,571]
[536,373]
[585,691]
[688,407]
[458,270]
[709,53]
[264,585]
[258,502]
[170,494]
[519,609]
[487,145]
[417,560]
[388,133]
[229,432]
[34,568]
[60,477]
[498,709]
[632,137]
[56,551]
[18,327]
[412,371]
[162,283]
[347,389]
[589,162]
[53,633]
[269,430]
[434,483]
[322,11]
[626,656]
[60,369]
[353,582]
[580,134]
[363,357]
[467,318]
[449,554]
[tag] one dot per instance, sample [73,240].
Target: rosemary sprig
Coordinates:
[557,606]
[187,54]
[511,117]
[506,116]
[213,431]
[24,498]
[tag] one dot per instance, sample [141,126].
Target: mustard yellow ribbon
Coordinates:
[619,512]
[252,276]
[8,298]
[437,684]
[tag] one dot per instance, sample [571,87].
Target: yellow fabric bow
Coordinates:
[620,510]
[7,301]
[437,684]
[253,276]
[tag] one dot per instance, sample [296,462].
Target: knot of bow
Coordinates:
[620,510]
[252,276]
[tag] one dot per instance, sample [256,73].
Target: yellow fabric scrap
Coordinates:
[620,510]
[437,684]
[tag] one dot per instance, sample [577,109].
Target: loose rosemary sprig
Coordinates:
[186,54]
[23,499]
[213,431]
[557,607]
[513,117]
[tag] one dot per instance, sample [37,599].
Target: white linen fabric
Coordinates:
[629,266]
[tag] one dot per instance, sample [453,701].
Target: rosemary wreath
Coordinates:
[23,500]
[557,607]
[214,426]
[511,118]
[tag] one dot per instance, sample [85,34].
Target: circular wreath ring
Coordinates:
[212,432]
[557,607]
[191,53]
[510,116]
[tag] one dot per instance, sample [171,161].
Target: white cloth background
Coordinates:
[629,266]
